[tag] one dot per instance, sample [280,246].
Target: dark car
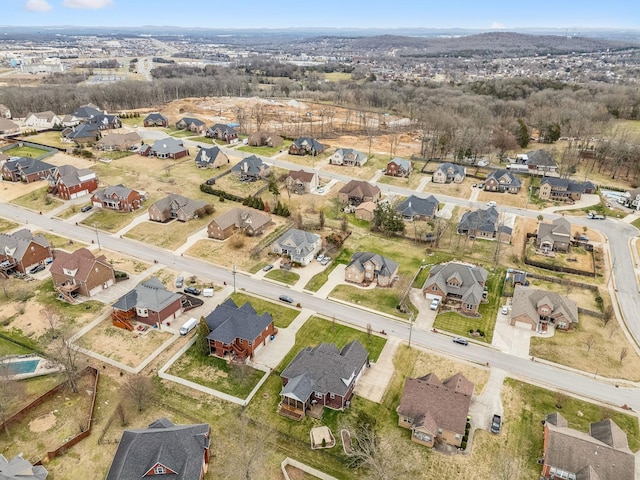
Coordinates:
[86,208]
[192,291]
[496,424]
[211,181]
[461,341]
[285,298]
[36,269]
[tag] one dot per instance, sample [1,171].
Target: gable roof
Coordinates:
[402,163]
[117,139]
[241,218]
[250,165]
[168,146]
[367,206]
[229,322]
[208,156]
[415,205]
[104,119]
[566,184]
[88,111]
[504,177]
[309,144]
[119,191]
[185,204]
[557,231]
[81,262]
[352,155]
[470,277]
[179,448]
[482,220]
[49,116]
[360,189]
[16,244]
[451,169]
[151,294]
[191,120]
[84,130]
[224,129]
[540,158]
[20,469]
[69,175]
[28,165]
[384,266]
[527,300]
[301,175]
[6,124]
[154,117]
[299,239]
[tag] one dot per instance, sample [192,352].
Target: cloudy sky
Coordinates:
[498,14]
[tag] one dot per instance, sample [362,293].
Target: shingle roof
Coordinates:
[415,205]
[229,322]
[402,163]
[309,144]
[20,469]
[352,155]
[482,220]
[384,266]
[223,128]
[301,175]
[179,448]
[118,139]
[191,120]
[360,189]
[472,279]
[81,262]
[526,301]
[28,165]
[151,294]
[208,156]
[242,217]
[84,130]
[185,204]
[69,175]
[6,124]
[564,183]
[104,119]
[294,238]
[154,117]
[16,244]
[540,158]
[120,191]
[250,165]
[451,168]
[557,231]
[511,179]
[87,111]
[168,146]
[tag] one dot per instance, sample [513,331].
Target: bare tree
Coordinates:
[52,318]
[139,390]
[623,354]
[10,389]
[590,342]
[506,467]
[245,450]
[67,354]
[607,315]
[321,219]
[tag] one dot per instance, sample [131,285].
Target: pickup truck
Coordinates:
[595,216]
[496,424]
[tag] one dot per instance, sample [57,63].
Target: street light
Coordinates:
[97,236]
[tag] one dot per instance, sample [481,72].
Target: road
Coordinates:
[544,375]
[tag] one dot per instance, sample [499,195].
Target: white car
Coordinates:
[435,303]
[320,189]
[491,204]
[504,310]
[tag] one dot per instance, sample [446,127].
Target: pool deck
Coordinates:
[44,367]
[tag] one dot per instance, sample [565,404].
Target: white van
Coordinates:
[188,326]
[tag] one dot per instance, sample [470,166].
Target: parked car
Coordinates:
[491,204]
[481,185]
[325,260]
[496,424]
[286,298]
[461,341]
[179,281]
[192,291]
[320,189]
[86,208]
[211,181]
[435,303]
[36,269]
[266,268]
[582,238]
[504,310]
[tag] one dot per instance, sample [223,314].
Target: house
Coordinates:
[105,121]
[366,211]
[348,157]
[181,452]
[69,182]
[7,127]
[251,168]
[22,250]
[167,147]
[192,124]
[119,142]
[563,189]
[434,410]
[631,199]
[83,133]
[399,167]
[299,245]
[449,172]
[301,181]
[306,146]
[155,120]
[118,198]
[46,119]
[502,181]
[601,454]
[80,272]
[418,208]
[322,376]
[18,468]
[222,132]
[88,111]
[484,224]
[538,161]
[250,221]
[26,170]
[175,206]
[357,191]
[458,283]
[211,158]
[265,139]
[4,111]
[238,331]
[366,268]
[150,303]
[554,236]
[539,308]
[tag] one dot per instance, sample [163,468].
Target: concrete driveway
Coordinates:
[426,316]
[488,403]
[516,339]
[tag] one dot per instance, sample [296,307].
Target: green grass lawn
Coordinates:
[319,279]
[6,225]
[69,312]
[179,133]
[110,220]
[26,151]
[381,299]
[282,316]
[53,139]
[167,235]
[61,242]
[265,151]
[10,348]
[284,276]
[213,372]
[114,155]
[38,201]
[208,140]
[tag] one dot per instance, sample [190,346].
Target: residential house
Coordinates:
[80,272]
[118,198]
[82,134]
[348,157]
[299,245]
[306,146]
[150,303]
[418,208]
[211,158]
[322,376]
[155,120]
[167,147]
[434,410]
[601,454]
[105,121]
[631,199]
[399,167]
[4,111]
[250,221]
[502,181]
[175,206]
[538,161]
[119,142]
[192,124]
[554,236]
[18,468]
[265,139]
[88,111]
[221,131]
[179,452]
[26,170]
[563,190]
[484,224]
[301,181]
[366,268]
[22,250]
[540,308]
[46,119]
[238,331]
[366,211]
[8,127]
[251,168]
[357,191]
[458,283]
[449,172]
[69,182]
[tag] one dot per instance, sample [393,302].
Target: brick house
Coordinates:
[322,376]
[82,134]
[540,308]
[537,161]
[348,157]
[26,170]
[211,158]
[221,131]
[449,172]
[69,182]
[165,148]
[265,139]
[150,303]
[502,181]
[251,168]
[155,120]
[366,268]
[119,142]
[459,284]
[435,411]
[298,245]
[238,331]
[80,272]
[301,181]
[357,191]
[554,236]
[192,124]
[417,208]
[484,223]
[250,221]
[118,198]
[399,167]
[22,250]
[175,206]
[306,146]
[365,211]
[563,190]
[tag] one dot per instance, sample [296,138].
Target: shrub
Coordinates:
[463,445]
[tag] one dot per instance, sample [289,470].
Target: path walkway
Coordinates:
[136,221]
[336,277]
[446,212]
[375,379]
[201,234]
[423,184]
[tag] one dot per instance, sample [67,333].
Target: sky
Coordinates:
[477,14]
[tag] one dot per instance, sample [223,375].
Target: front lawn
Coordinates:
[179,133]
[110,220]
[265,151]
[284,276]
[6,225]
[282,316]
[167,235]
[208,140]
[381,299]
[38,200]
[114,155]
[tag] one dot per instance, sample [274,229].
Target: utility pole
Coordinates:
[97,236]
[234,277]
[410,328]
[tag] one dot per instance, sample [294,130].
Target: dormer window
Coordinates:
[159,470]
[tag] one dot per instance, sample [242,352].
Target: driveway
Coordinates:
[426,316]
[514,340]
[446,212]
[375,379]
[488,403]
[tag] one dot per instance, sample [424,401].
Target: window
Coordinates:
[159,470]
[434,288]
[332,396]
[469,306]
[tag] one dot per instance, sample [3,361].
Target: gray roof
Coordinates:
[191,120]
[207,156]
[242,217]
[352,155]
[16,244]
[69,175]
[84,130]
[250,165]
[20,469]
[324,369]
[176,201]
[228,322]
[566,184]
[540,158]
[28,165]
[557,231]
[104,119]
[402,163]
[119,191]
[505,177]
[482,220]
[154,117]
[151,294]
[225,129]
[168,146]
[87,111]
[299,239]
[385,266]
[179,448]
[118,139]
[451,168]
[470,277]
[414,206]
[526,301]
[309,144]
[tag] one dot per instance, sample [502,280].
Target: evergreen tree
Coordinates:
[522,134]
[202,344]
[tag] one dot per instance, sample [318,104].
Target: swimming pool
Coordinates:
[23,366]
